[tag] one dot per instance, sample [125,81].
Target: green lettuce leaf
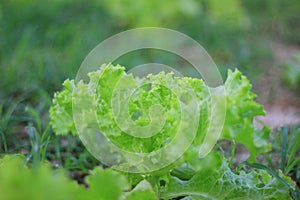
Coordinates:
[219,182]
[240,112]
[61,114]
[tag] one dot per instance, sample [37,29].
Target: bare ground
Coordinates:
[282,105]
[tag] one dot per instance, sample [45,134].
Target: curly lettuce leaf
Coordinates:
[61,114]
[240,112]
[144,96]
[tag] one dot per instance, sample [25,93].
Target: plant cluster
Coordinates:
[212,177]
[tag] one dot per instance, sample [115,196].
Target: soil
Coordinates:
[282,105]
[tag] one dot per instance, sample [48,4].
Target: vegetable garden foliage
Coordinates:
[189,177]
[47,184]
[238,126]
[215,180]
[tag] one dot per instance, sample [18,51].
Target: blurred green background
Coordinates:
[44,42]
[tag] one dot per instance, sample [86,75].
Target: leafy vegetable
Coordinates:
[241,109]
[190,176]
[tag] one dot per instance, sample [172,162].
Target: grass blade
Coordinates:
[284,148]
[3,140]
[294,146]
[292,165]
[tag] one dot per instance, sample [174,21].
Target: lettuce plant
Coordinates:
[189,176]
[240,108]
